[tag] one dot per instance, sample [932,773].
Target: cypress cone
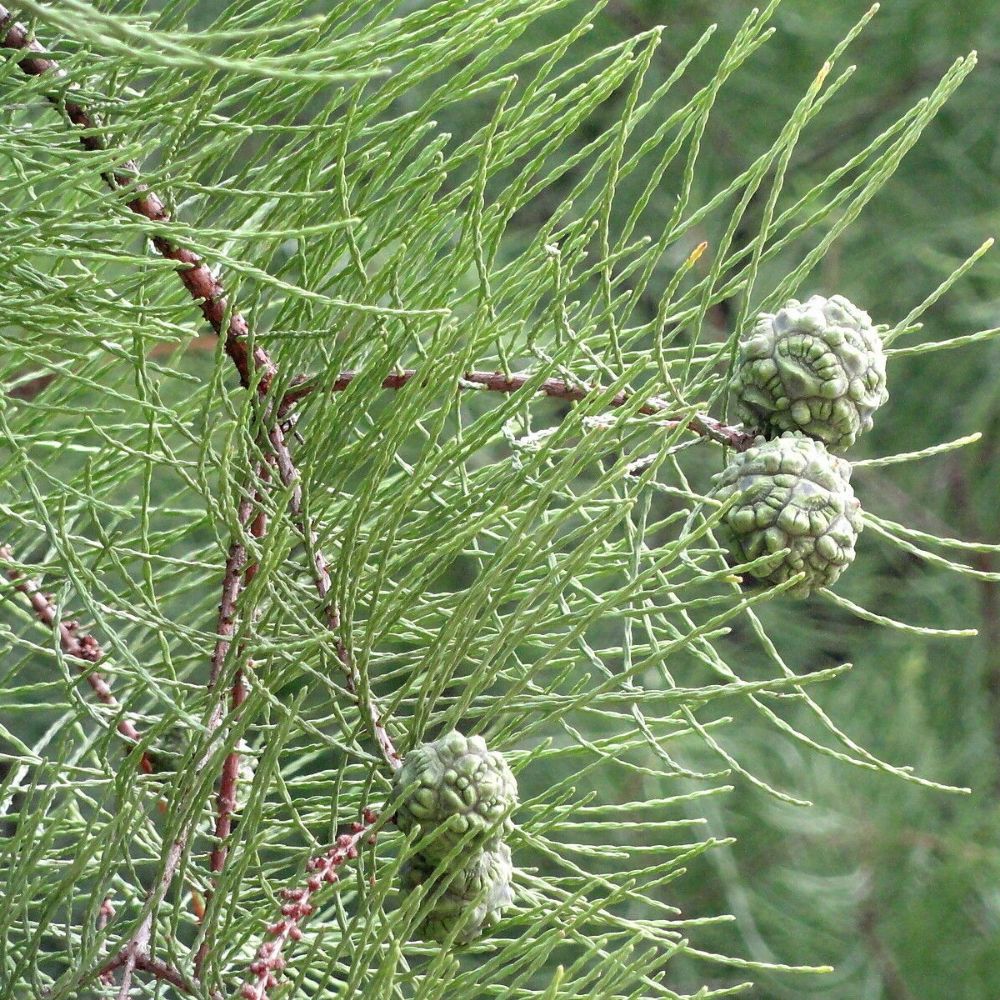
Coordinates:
[462,791]
[475,896]
[817,367]
[792,494]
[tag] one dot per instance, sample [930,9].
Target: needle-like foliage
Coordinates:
[502,452]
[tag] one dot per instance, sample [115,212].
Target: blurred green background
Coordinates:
[896,886]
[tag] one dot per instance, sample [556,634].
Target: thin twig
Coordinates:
[254,366]
[231,768]
[737,438]
[73,643]
[238,574]
[106,913]
[166,972]
[159,970]
[298,906]
[30,387]
[321,576]
[886,964]
[135,954]
[136,949]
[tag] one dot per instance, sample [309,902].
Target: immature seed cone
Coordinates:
[792,494]
[462,791]
[814,366]
[475,897]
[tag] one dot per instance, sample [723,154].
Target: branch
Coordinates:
[238,574]
[159,970]
[321,576]
[298,906]
[135,954]
[232,583]
[254,366]
[257,367]
[888,969]
[73,643]
[734,437]
[30,387]
[106,913]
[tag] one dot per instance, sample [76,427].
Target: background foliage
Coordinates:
[895,885]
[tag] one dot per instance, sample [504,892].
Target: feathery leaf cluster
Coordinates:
[515,565]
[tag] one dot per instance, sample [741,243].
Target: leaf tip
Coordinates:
[696,253]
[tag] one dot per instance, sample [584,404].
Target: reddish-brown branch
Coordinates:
[231,768]
[135,954]
[226,799]
[233,578]
[106,913]
[136,951]
[31,387]
[706,426]
[256,369]
[236,574]
[162,970]
[73,643]
[157,968]
[254,365]
[735,437]
[298,906]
